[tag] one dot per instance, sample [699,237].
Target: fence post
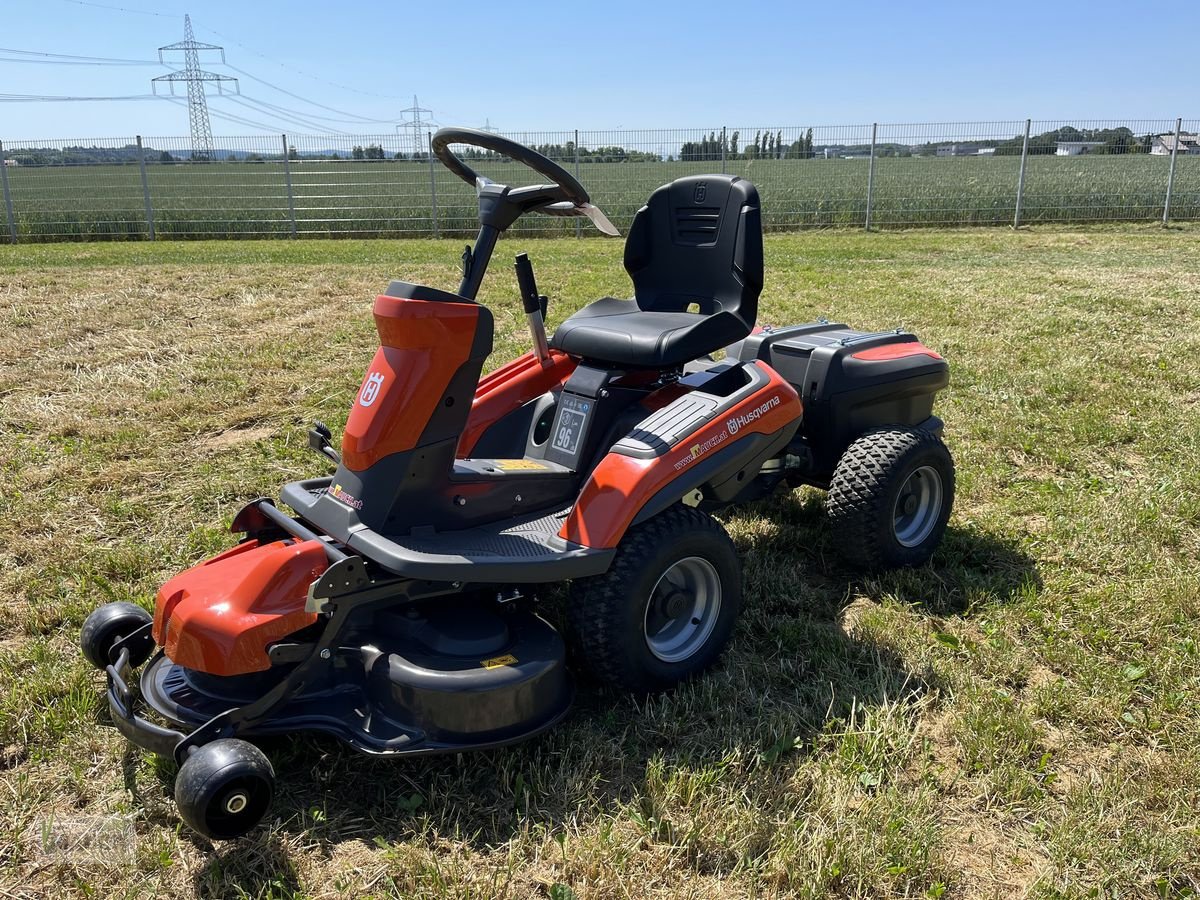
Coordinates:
[433,184]
[1021,177]
[578,224]
[1170,172]
[287,177]
[871,176]
[145,187]
[722,149]
[8,207]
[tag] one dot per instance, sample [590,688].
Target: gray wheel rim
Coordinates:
[682,610]
[918,506]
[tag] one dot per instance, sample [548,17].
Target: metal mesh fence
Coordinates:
[873,176]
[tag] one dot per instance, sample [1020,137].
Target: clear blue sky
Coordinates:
[618,64]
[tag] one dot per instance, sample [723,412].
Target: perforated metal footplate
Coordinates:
[526,540]
[528,550]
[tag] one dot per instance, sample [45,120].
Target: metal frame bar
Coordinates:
[1171,172]
[1021,176]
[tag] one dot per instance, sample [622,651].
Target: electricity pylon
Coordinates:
[198,121]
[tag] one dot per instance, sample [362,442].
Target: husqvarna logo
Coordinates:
[370,390]
[737,423]
[700,193]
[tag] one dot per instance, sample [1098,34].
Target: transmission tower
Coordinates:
[201,127]
[416,127]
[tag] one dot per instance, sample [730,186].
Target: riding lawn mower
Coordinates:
[395,607]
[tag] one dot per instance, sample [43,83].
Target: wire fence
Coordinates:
[865,176]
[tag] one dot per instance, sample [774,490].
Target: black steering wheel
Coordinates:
[569,188]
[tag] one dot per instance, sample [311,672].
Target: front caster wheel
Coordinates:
[665,609]
[223,789]
[107,625]
[890,498]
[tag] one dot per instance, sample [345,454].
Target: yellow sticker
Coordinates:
[519,465]
[498,661]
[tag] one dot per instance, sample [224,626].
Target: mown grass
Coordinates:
[395,199]
[1016,719]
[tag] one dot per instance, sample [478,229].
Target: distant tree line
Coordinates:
[1111,140]
[711,148]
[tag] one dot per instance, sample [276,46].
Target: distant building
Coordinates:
[1076,148]
[1164,144]
[11,162]
[958,149]
[987,151]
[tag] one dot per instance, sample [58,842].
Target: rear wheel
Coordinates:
[665,609]
[110,623]
[890,498]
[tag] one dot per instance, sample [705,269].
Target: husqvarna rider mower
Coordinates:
[395,607]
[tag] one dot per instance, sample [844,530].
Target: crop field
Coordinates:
[389,199]
[1019,718]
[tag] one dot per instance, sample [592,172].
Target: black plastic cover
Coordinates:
[845,394]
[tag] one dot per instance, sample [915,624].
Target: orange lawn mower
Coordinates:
[396,606]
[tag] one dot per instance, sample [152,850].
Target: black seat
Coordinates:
[696,243]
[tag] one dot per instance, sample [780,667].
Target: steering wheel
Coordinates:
[564,196]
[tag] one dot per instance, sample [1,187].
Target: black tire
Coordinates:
[632,624]
[108,624]
[223,789]
[890,498]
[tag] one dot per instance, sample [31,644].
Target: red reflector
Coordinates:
[896,351]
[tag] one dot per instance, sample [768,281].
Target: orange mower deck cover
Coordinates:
[220,616]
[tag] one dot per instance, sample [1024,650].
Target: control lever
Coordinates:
[535,307]
[318,439]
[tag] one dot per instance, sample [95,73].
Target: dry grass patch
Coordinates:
[1019,718]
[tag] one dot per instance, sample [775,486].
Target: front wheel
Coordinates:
[665,609]
[224,788]
[890,498]
[109,624]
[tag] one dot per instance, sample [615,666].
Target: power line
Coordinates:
[282,65]
[305,113]
[251,104]
[69,59]
[227,116]
[295,96]
[140,12]
[46,98]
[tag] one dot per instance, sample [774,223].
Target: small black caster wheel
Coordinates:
[107,625]
[223,789]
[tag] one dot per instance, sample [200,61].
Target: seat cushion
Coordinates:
[617,331]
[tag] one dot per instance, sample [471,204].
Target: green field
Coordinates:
[1021,717]
[388,198]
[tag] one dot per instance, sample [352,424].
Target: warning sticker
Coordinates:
[497,662]
[519,465]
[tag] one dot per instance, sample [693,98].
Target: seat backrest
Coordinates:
[698,240]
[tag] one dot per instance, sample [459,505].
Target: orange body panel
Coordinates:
[896,351]
[509,388]
[423,344]
[218,617]
[621,485]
